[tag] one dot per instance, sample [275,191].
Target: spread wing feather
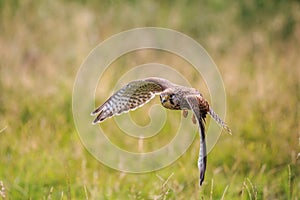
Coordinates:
[130,97]
[193,102]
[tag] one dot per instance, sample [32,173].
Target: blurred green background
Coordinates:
[255,44]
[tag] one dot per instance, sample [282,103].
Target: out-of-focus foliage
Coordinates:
[255,44]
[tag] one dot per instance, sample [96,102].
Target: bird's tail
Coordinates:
[219,121]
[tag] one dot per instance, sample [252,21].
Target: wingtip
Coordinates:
[95,122]
[98,120]
[200,183]
[228,130]
[98,111]
[94,113]
[201,180]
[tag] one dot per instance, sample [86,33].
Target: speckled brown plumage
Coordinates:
[172,96]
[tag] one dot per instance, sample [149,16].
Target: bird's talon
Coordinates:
[194,119]
[185,113]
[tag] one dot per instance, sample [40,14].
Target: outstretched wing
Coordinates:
[195,106]
[130,97]
[219,121]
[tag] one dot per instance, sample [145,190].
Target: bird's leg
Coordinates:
[194,119]
[185,113]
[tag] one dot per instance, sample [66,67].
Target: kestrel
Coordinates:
[172,96]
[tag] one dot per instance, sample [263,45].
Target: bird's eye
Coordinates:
[172,96]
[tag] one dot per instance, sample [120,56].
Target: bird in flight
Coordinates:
[172,96]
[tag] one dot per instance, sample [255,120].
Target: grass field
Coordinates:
[256,46]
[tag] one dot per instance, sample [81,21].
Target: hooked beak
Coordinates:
[163,98]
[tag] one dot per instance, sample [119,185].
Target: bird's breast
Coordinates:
[171,105]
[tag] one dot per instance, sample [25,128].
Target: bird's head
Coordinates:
[169,100]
